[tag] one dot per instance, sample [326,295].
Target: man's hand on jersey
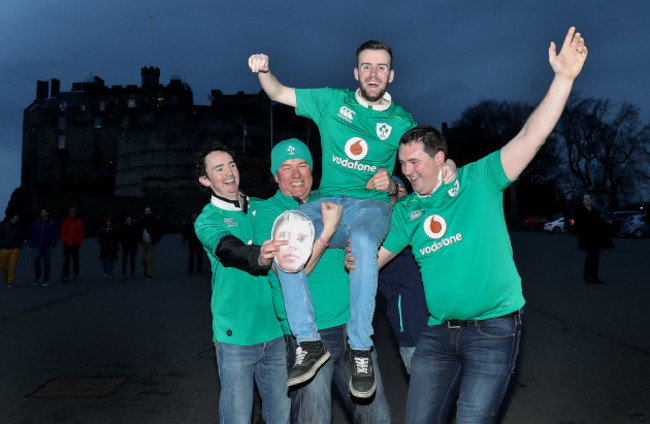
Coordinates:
[381,181]
[449,171]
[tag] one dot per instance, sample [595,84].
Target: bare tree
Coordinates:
[495,123]
[605,146]
[487,126]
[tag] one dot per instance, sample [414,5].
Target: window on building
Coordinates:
[102,105]
[131,102]
[160,101]
[98,122]
[61,144]
[62,122]
[62,106]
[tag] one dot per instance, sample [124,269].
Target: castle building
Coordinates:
[113,150]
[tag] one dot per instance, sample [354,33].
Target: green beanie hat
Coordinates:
[291,148]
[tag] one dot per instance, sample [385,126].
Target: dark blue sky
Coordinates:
[448,54]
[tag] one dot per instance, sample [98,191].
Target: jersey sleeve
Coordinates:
[210,231]
[312,101]
[489,172]
[265,214]
[396,240]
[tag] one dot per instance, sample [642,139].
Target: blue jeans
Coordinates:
[312,403]
[366,222]
[474,363]
[266,363]
[42,253]
[406,352]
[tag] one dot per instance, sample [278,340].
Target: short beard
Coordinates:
[368,98]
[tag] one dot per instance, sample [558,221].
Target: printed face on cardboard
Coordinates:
[298,229]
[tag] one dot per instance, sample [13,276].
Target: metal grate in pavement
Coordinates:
[79,387]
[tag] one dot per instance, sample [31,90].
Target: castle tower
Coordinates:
[150,77]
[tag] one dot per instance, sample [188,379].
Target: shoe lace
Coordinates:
[361,365]
[300,355]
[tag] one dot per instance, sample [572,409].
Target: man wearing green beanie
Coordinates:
[327,294]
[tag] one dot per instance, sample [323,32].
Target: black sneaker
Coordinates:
[362,384]
[310,356]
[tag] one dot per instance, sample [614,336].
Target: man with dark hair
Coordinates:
[247,334]
[359,135]
[460,240]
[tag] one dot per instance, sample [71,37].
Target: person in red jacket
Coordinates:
[72,233]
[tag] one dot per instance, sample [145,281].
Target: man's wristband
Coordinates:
[264,72]
[326,244]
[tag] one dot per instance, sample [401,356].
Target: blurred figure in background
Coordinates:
[11,237]
[593,236]
[194,246]
[129,239]
[42,241]
[109,245]
[72,233]
[150,235]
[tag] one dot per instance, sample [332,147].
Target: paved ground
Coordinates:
[585,354]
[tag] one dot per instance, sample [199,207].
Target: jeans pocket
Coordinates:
[498,327]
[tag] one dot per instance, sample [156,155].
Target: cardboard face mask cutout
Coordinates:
[298,229]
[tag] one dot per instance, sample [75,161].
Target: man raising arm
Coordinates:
[460,240]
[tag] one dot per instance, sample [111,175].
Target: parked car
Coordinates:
[534,222]
[634,226]
[617,218]
[556,226]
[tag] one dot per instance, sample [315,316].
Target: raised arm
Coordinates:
[259,64]
[331,213]
[521,150]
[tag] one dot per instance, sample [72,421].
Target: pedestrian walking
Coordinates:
[11,238]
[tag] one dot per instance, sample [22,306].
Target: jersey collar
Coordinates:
[230,205]
[440,184]
[365,104]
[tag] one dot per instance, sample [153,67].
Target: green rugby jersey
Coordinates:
[242,304]
[329,283]
[460,240]
[357,140]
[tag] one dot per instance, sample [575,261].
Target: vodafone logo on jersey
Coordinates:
[435,227]
[356,148]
